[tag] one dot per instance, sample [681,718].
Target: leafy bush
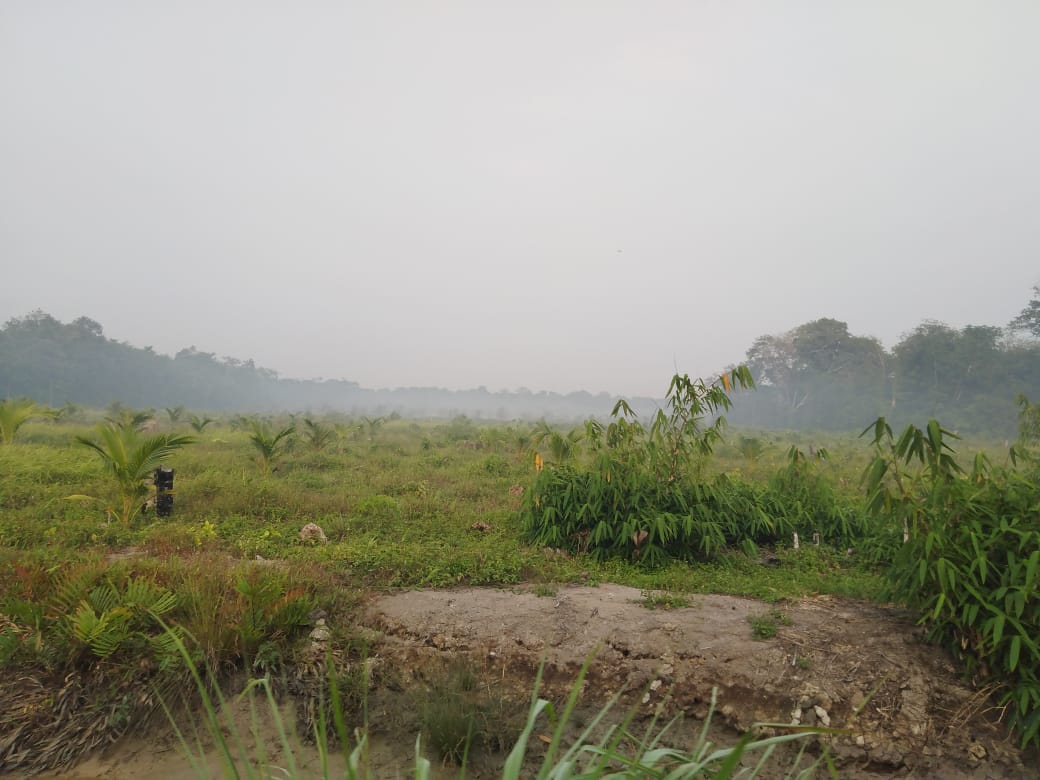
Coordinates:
[379,507]
[803,500]
[640,497]
[971,562]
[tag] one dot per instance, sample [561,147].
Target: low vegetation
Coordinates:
[666,505]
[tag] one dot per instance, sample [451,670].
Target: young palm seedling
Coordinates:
[130,459]
[15,412]
[269,445]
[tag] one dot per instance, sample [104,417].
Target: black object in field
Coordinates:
[163,492]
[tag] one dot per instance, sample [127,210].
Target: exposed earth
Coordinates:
[860,668]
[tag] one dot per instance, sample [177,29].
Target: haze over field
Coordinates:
[559,196]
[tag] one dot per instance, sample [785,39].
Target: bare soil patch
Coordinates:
[854,666]
[858,667]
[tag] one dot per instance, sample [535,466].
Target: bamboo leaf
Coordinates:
[1015,649]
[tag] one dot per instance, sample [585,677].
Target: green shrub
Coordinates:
[971,562]
[639,498]
[379,507]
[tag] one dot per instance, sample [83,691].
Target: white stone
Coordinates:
[821,713]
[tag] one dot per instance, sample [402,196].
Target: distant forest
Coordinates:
[817,376]
[55,363]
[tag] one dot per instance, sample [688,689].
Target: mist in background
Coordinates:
[579,196]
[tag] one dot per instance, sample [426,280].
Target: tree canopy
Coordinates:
[817,375]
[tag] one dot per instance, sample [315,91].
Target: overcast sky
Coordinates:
[557,195]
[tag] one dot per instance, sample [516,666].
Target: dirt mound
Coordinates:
[857,667]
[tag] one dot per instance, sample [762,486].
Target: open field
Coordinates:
[405,505]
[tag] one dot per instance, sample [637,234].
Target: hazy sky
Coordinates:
[558,195]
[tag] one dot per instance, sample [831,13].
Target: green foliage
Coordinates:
[371,426]
[495,466]
[971,562]
[15,412]
[459,712]
[606,745]
[110,620]
[129,459]
[379,507]
[318,435]
[1028,319]
[198,424]
[751,447]
[639,496]
[269,445]
[801,499]
[558,447]
[121,416]
[765,626]
[1028,423]
[656,599]
[267,611]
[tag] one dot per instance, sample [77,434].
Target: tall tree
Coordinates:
[1029,318]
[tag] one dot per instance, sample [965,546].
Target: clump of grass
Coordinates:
[660,599]
[617,752]
[458,714]
[766,625]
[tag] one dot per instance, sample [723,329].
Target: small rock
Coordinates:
[976,751]
[312,533]
[656,684]
[821,713]
[861,740]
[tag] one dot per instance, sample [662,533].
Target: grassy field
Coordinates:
[410,505]
[401,504]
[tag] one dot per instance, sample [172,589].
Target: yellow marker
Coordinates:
[538,462]
[725,382]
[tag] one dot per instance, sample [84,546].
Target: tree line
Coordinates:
[820,376]
[55,363]
[817,376]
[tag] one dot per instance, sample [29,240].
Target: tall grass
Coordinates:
[607,747]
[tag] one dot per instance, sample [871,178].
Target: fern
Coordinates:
[73,588]
[144,597]
[103,633]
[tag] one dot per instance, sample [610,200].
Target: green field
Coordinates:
[88,585]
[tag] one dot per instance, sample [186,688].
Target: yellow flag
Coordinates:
[538,462]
